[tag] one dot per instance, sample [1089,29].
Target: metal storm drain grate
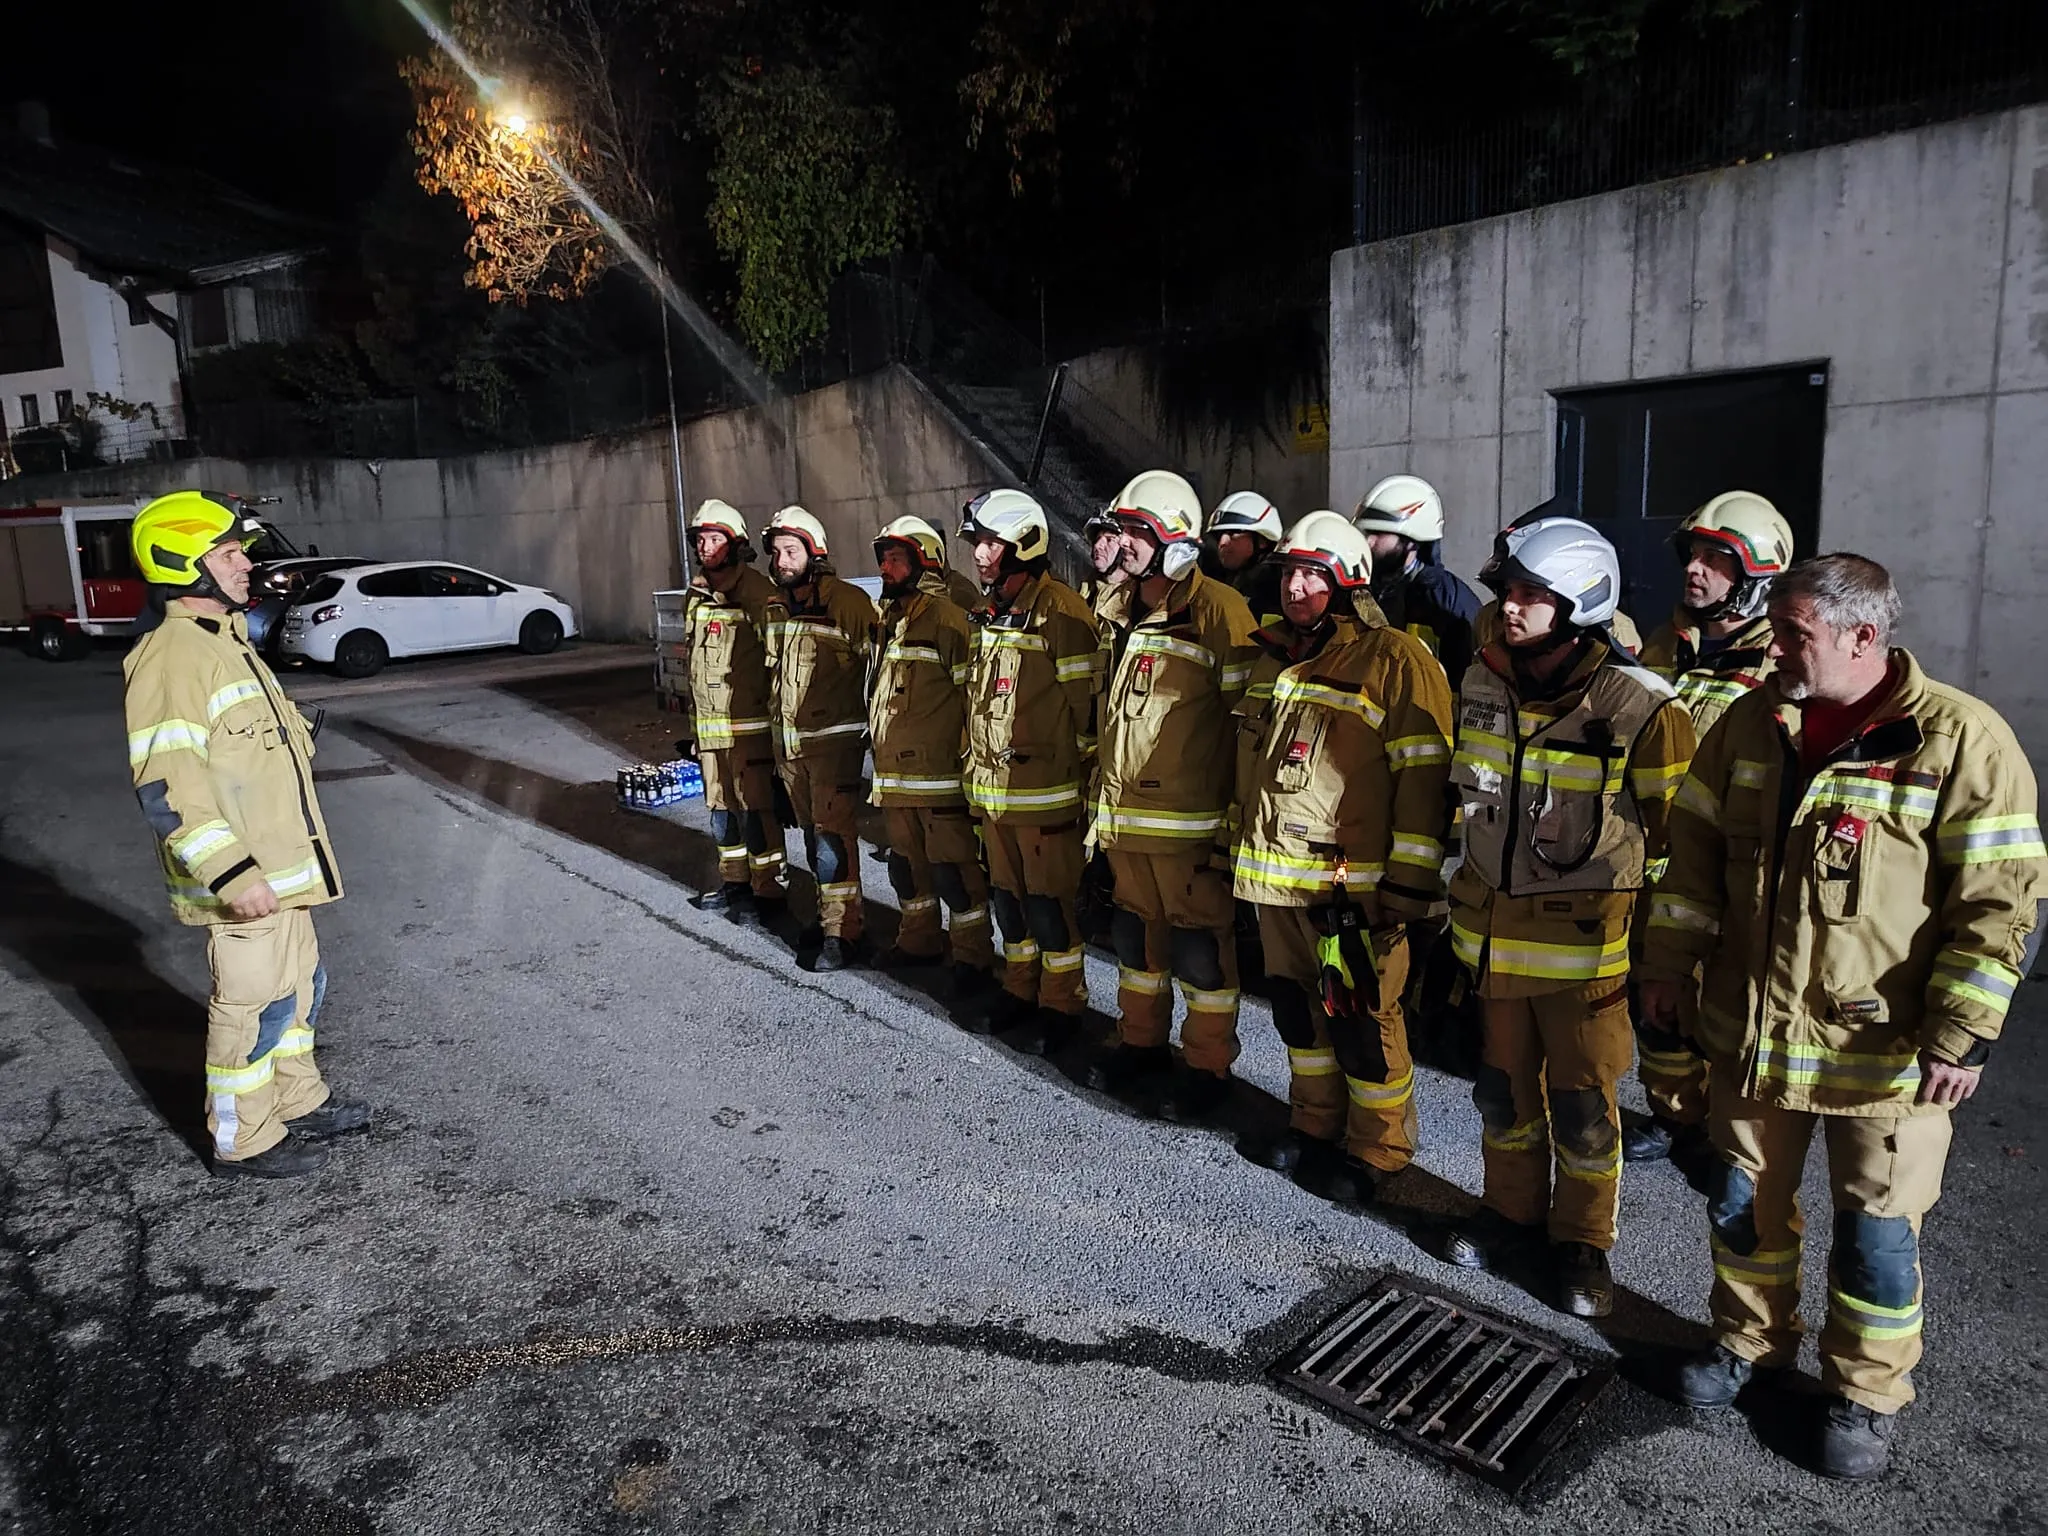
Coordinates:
[1456,1382]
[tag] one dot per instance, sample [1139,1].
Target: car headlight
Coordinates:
[323,615]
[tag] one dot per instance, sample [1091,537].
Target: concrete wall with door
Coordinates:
[865,452]
[1915,266]
[594,521]
[1290,470]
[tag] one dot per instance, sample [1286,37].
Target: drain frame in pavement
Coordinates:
[1453,1380]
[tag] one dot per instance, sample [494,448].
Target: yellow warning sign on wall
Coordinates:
[1312,429]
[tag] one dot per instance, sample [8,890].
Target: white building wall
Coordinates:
[103,352]
[1915,265]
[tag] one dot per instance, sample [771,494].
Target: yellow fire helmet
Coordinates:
[920,535]
[170,535]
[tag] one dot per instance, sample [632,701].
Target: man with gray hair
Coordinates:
[1855,870]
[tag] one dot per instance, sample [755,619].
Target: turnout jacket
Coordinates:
[818,655]
[223,766]
[1030,706]
[1342,757]
[1566,802]
[1167,760]
[1430,603]
[1849,921]
[1708,684]
[917,715]
[729,635]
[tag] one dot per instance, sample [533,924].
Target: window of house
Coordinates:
[206,318]
[31,411]
[28,308]
[61,403]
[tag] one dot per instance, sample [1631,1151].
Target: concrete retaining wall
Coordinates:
[594,521]
[1915,265]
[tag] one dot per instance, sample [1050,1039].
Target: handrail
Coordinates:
[1052,403]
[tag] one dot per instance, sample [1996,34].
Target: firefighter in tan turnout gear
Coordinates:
[1031,747]
[819,655]
[1343,755]
[1185,655]
[1856,868]
[734,615]
[1567,759]
[222,762]
[1715,649]
[917,720]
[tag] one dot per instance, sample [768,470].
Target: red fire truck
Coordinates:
[66,575]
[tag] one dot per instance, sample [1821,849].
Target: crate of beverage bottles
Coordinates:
[649,786]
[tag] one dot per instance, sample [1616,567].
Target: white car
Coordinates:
[358,619]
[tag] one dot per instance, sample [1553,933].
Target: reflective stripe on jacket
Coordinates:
[1030,706]
[1850,921]
[729,633]
[917,716]
[1708,684]
[1342,759]
[1167,737]
[1565,809]
[819,657]
[223,766]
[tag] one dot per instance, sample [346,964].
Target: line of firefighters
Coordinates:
[1840,856]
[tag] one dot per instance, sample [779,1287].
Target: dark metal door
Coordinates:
[1640,457]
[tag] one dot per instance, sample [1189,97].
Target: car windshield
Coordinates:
[318,591]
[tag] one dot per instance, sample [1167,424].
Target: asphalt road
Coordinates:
[658,1232]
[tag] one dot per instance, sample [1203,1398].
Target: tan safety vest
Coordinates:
[729,634]
[917,714]
[820,659]
[1547,800]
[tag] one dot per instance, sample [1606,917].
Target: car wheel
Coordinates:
[54,640]
[361,653]
[541,633]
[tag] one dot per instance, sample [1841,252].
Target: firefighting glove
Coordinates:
[686,747]
[1350,978]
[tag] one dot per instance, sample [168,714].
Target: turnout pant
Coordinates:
[1350,1079]
[1674,1073]
[1035,874]
[934,857]
[824,794]
[1175,920]
[1884,1174]
[1546,1088]
[739,791]
[267,987]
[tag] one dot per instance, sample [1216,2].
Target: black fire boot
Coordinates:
[735,898]
[1044,1032]
[1647,1140]
[1336,1176]
[1714,1377]
[1488,1240]
[1287,1152]
[1191,1096]
[1855,1441]
[1123,1067]
[970,981]
[837,954]
[289,1159]
[1005,1010]
[334,1118]
[1585,1283]
[897,958]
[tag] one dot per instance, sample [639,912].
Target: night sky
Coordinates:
[297,103]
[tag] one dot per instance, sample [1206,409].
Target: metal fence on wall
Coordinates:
[1787,75]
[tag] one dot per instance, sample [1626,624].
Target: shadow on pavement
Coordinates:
[1415,1202]
[92,961]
